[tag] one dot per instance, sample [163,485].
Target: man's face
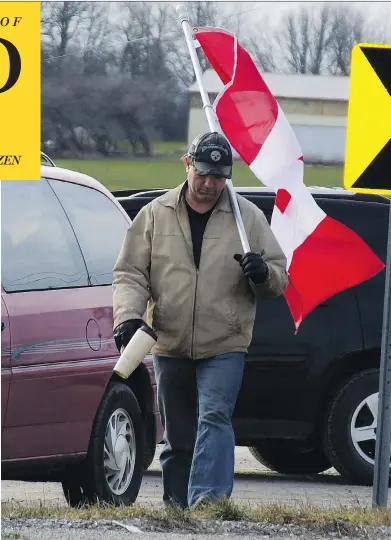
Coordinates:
[205,189]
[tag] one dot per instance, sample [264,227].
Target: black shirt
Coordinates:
[197,225]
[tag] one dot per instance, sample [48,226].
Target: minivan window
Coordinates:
[99,226]
[38,247]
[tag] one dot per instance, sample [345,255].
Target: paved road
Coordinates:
[253,484]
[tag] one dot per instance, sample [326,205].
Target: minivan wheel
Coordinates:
[113,469]
[287,457]
[350,427]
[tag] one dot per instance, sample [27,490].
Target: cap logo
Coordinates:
[215,155]
[206,146]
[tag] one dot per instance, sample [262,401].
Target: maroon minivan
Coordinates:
[65,416]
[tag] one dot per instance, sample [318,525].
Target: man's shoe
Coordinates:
[173,504]
[201,503]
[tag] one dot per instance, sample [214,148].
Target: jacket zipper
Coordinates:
[194,310]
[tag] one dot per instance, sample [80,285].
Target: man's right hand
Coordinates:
[124,332]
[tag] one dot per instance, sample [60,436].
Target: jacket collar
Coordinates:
[175,196]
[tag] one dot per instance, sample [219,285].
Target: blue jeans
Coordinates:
[196,401]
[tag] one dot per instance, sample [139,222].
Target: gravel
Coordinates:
[149,529]
[26,534]
[64,529]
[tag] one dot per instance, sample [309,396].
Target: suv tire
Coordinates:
[288,457]
[113,469]
[352,409]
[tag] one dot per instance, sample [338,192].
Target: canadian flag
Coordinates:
[324,256]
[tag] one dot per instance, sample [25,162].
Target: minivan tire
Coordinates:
[287,457]
[348,408]
[92,480]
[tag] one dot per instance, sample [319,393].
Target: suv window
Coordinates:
[99,226]
[38,247]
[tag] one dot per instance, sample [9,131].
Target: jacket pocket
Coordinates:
[231,313]
[158,314]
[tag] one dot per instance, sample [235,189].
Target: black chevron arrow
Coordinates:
[378,173]
[380,60]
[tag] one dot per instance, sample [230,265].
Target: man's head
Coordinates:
[208,164]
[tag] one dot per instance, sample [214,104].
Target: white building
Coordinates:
[315,106]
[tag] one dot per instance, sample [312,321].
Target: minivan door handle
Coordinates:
[2,326]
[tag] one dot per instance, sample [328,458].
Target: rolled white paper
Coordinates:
[135,351]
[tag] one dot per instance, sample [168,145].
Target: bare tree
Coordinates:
[107,90]
[60,111]
[321,36]
[348,29]
[61,23]
[142,31]
[97,26]
[73,31]
[316,38]
[304,38]
[200,14]
[261,44]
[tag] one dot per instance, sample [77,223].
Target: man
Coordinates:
[180,256]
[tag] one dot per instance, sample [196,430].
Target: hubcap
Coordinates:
[119,451]
[363,428]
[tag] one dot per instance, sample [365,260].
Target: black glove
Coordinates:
[124,332]
[253,266]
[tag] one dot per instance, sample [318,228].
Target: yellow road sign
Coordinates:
[20,90]
[368,139]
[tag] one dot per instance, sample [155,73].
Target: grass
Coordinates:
[168,172]
[163,147]
[158,148]
[341,519]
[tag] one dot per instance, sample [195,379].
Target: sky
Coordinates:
[273,10]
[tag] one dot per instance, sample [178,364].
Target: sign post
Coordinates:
[383,430]
[368,170]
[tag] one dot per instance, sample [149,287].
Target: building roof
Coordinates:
[325,87]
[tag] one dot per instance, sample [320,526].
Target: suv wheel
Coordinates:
[112,471]
[288,457]
[350,427]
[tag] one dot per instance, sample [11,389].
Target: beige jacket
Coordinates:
[195,313]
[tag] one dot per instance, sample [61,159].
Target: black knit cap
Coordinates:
[211,154]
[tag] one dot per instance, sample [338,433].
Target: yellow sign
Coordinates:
[20,90]
[368,146]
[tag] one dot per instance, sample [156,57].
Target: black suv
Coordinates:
[309,401]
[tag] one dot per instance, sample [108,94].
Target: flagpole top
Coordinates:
[182,12]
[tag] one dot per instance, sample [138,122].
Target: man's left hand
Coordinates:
[254,267]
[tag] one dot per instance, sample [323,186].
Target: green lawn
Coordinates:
[118,174]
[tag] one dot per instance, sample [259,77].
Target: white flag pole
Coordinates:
[210,115]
